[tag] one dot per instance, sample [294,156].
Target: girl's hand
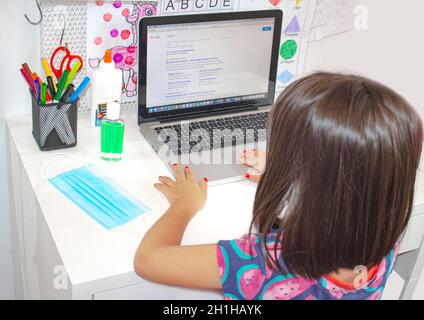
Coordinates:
[184,191]
[255,161]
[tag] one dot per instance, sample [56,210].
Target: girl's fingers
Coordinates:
[179,175]
[247,164]
[252,177]
[249,158]
[161,187]
[166,181]
[203,184]
[189,174]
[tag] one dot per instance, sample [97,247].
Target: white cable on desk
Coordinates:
[48,161]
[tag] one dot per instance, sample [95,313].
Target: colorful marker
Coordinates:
[27,69]
[43,93]
[30,81]
[61,85]
[80,88]
[67,93]
[35,76]
[38,89]
[52,86]
[72,74]
[46,67]
[48,71]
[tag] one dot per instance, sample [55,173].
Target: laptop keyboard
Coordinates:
[217,133]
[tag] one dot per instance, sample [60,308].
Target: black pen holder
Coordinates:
[54,125]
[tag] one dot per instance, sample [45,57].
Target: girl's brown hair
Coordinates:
[342,157]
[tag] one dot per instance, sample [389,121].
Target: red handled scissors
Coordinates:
[65,61]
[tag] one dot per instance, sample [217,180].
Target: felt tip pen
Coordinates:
[38,88]
[72,73]
[35,76]
[27,69]
[30,81]
[48,71]
[61,85]
[46,67]
[67,93]
[80,88]
[52,86]
[43,93]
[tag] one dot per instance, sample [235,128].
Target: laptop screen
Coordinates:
[209,64]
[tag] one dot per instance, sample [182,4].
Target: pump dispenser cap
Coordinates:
[108,56]
[113,110]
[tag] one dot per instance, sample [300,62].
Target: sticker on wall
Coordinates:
[194,6]
[274,3]
[114,25]
[288,49]
[285,77]
[293,26]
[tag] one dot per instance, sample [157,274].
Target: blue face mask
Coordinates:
[100,198]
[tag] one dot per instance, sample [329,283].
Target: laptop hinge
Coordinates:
[196,115]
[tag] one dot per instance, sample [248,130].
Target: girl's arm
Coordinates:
[160,256]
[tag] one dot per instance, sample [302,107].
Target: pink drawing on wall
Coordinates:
[125,57]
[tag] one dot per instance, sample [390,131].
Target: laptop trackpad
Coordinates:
[219,173]
[218,166]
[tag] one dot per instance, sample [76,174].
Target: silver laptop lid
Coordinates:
[207,63]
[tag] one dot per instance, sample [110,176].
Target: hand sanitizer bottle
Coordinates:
[112,133]
[106,87]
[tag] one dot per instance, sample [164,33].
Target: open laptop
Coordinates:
[206,85]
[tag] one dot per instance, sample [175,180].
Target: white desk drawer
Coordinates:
[151,291]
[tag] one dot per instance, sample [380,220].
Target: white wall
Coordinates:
[19,43]
[391,51]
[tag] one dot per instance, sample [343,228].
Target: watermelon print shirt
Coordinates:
[246,276]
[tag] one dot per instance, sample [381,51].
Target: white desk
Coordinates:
[51,234]
[99,263]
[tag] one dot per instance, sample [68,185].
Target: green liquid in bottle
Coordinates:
[112,139]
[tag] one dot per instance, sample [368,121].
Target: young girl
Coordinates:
[334,198]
